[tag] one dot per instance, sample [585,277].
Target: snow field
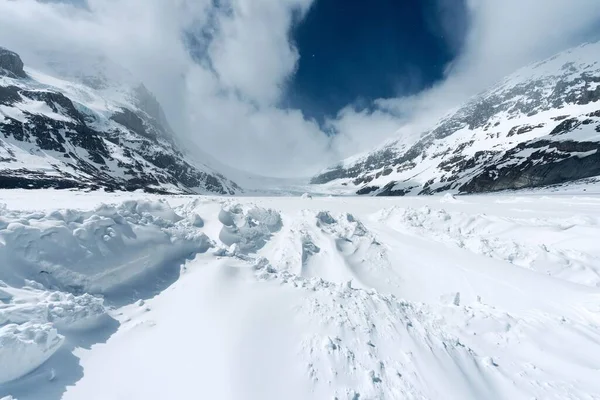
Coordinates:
[489,297]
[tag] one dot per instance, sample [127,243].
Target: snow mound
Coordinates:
[52,263]
[25,347]
[95,252]
[352,249]
[345,225]
[336,247]
[248,229]
[190,212]
[449,198]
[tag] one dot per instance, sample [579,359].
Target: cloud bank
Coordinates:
[220,67]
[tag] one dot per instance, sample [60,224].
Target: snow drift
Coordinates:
[94,252]
[54,266]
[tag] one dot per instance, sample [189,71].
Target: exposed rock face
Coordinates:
[540,126]
[70,136]
[549,163]
[11,64]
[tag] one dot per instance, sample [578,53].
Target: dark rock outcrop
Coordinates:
[549,163]
[11,64]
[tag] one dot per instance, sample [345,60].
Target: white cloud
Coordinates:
[504,36]
[226,105]
[357,131]
[252,52]
[509,34]
[227,102]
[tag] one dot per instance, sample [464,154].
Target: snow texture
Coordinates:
[459,297]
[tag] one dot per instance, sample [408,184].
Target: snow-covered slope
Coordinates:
[540,126]
[434,297]
[88,134]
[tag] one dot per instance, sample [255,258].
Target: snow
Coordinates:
[96,251]
[25,347]
[63,310]
[151,297]
[583,57]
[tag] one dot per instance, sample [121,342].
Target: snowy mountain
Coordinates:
[540,126]
[85,133]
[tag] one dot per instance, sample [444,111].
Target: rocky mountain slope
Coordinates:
[539,126]
[79,134]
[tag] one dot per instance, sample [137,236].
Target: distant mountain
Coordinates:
[85,132]
[540,126]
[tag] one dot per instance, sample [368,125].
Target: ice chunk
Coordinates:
[64,310]
[196,220]
[323,217]
[249,230]
[25,347]
[449,198]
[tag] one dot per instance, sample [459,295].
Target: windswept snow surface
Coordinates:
[110,296]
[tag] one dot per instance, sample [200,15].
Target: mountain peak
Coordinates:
[11,64]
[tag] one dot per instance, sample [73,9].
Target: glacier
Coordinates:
[470,297]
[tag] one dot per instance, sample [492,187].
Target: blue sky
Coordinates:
[356,51]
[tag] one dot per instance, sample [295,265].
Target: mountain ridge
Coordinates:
[64,134]
[539,126]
